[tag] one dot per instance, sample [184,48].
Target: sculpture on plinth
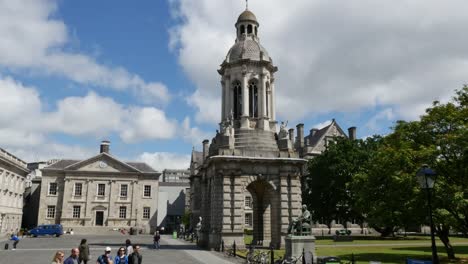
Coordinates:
[283,133]
[301,226]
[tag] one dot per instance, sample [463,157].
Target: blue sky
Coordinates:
[143,74]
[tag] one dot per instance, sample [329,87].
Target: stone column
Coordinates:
[228,97]
[273,94]
[245,102]
[88,209]
[111,204]
[223,100]
[264,120]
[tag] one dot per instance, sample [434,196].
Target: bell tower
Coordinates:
[247,80]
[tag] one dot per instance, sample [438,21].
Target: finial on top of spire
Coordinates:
[246,4]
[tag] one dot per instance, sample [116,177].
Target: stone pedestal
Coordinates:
[284,144]
[295,245]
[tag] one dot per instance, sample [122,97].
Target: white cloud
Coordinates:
[50,150]
[194,135]
[33,39]
[165,160]
[332,56]
[147,123]
[384,115]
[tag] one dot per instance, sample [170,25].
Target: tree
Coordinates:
[326,188]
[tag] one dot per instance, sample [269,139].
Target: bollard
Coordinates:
[352,258]
[234,248]
[272,254]
[222,245]
[303,256]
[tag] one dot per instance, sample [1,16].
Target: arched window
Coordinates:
[242,29]
[249,29]
[237,99]
[253,99]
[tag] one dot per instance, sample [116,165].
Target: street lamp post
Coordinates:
[426,178]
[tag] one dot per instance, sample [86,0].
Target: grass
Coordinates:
[383,249]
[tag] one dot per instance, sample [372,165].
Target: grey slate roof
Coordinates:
[62,164]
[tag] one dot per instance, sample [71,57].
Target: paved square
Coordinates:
[42,249]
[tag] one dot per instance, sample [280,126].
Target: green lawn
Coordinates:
[381,249]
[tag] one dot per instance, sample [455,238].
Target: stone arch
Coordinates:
[242,29]
[249,29]
[265,204]
[237,99]
[253,97]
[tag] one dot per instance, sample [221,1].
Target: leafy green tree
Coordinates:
[326,189]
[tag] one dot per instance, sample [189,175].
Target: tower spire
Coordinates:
[246,4]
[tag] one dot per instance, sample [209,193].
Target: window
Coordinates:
[147,191]
[52,188]
[248,201]
[101,190]
[146,212]
[237,99]
[266,98]
[248,219]
[123,212]
[242,29]
[51,211]
[249,29]
[123,190]
[253,99]
[76,211]
[78,188]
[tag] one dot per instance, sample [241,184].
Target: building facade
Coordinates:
[99,193]
[13,173]
[174,191]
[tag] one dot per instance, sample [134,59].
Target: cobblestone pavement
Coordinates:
[41,249]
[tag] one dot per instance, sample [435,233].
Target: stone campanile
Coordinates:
[248,174]
[247,79]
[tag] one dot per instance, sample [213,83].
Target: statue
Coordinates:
[301,226]
[227,125]
[283,133]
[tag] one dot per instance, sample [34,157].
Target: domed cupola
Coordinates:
[247,44]
[248,80]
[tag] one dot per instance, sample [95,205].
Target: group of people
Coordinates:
[128,254]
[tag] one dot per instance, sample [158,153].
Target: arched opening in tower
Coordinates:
[253,99]
[237,100]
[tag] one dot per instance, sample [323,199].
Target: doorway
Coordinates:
[99,218]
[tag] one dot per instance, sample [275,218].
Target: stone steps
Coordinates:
[255,139]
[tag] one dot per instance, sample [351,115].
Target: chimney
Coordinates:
[313,131]
[291,135]
[105,144]
[205,148]
[300,135]
[352,133]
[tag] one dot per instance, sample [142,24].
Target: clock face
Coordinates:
[102,164]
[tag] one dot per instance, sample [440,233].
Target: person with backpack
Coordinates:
[105,258]
[135,257]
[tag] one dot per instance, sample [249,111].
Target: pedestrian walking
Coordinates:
[156,239]
[135,257]
[15,240]
[128,247]
[58,258]
[84,252]
[121,258]
[105,258]
[73,258]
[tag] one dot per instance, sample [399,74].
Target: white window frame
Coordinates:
[104,190]
[144,191]
[50,211]
[123,212]
[146,212]
[81,188]
[126,190]
[50,188]
[76,213]
[248,202]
